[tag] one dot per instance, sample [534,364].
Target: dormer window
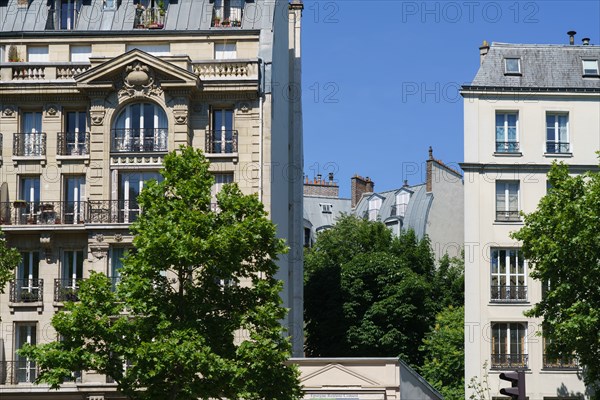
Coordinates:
[512,66]
[326,208]
[227,13]
[590,68]
[374,207]
[110,4]
[401,205]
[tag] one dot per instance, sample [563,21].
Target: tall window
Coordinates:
[509,348]
[116,263]
[507,201]
[71,274]
[374,206]
[74,142]
[28,286]
[223,139]
[130,187]
[507,135]
[508,276]
[227,13]
[74,199]
[140,127]
[401,205]
[29,191]
[32,137]
[25,370]
[557,133]
[221,179]
[68,12]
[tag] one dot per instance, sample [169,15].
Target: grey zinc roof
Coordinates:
[182,15]
[314,215]
[542,66]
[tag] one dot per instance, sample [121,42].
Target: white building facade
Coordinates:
[528,106]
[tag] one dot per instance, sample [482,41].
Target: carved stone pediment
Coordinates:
[138,79]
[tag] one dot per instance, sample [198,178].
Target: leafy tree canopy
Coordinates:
[561,240]
[9,259]
[368,293]
[197,313]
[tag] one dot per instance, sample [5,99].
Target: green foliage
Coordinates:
[370,294]
[9,259]
[480,387]
[561,239]
[184,334]
[444,365]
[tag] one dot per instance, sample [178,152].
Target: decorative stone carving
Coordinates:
[99,251]
[139,80]
[99,238]
[9,111]
[244,107]
[52,111]
[46,244]
[118,237]
[97,112]
[180,116]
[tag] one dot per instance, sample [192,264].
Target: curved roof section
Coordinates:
[542,66]
[314,214]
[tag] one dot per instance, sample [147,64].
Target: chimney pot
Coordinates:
[483,50]
[331,177]
[571,37]
[586,41]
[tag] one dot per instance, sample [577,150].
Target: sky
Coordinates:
[381,78]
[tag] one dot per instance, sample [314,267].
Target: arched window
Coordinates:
[140,127]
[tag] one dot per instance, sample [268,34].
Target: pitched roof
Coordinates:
[542,66]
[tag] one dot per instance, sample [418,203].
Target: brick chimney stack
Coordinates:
[320,187]
[360,186]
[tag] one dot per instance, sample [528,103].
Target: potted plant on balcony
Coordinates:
[236,23]
[19,204]
[47,207]
[27,296]
[216,21]
[13,54]
[226,22]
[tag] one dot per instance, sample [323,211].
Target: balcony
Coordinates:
[558,147]
[561,362]
[508,294]
[47,213]
[26,290]
[15,372]
[508,216]
[149,18]
[40,71]
[73,144]
[66,290]
[112,211]
[509,361]
[29,144]
[221,142]
[226,70]
[507,147]
[139,140]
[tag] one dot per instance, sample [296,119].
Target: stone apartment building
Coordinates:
[93,94]
[528,106]
[433,207]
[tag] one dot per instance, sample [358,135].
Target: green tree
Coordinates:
[368,293]
[444,349]
[184,323]
[561,239]
[9,259]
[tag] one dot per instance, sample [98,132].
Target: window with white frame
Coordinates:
[130,187]
[2,55]
[29,192]
[509,345]
[507,133]
[590,68]
[110,5]
[31,142]
[225,51]
[512,66]
[222,139]
[115,255]
[401,205]
[80,53]
[227,13]
[508,276]
[374,207]
[71,274]
[221,179]
[507,201]
[37,54]
[25,370]
[141,127]
[68,12]
[326,208]
[557,133]
[28,286]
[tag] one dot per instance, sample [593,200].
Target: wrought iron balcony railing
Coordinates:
[149,18]
[26,290]
[29,144]
[139,140]
[112,211]
[221,142]
[508,294]
[15,372]
[73,144]
[66,290]
[557,147]
[560,362]
[20,212]
[508,215]
[507,147]
[509,361]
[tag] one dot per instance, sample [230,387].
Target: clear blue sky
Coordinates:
[381,78]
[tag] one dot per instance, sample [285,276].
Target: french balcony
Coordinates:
[29,144]
[560,362]
[41,71]
[510,361]
[26,290]
[557,147]
[149,18]
[221,142]
[66,290]
[112,211]
[21,212]
[73,144]
[18,372]
[139,140]
[507,147]
[508,216]
[508,294]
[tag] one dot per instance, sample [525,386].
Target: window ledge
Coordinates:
[509,303]
[38,305]
[513,74]
[519,222]
[559,155]
[546,370]
[233,156]
[508,154]
[41,159]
